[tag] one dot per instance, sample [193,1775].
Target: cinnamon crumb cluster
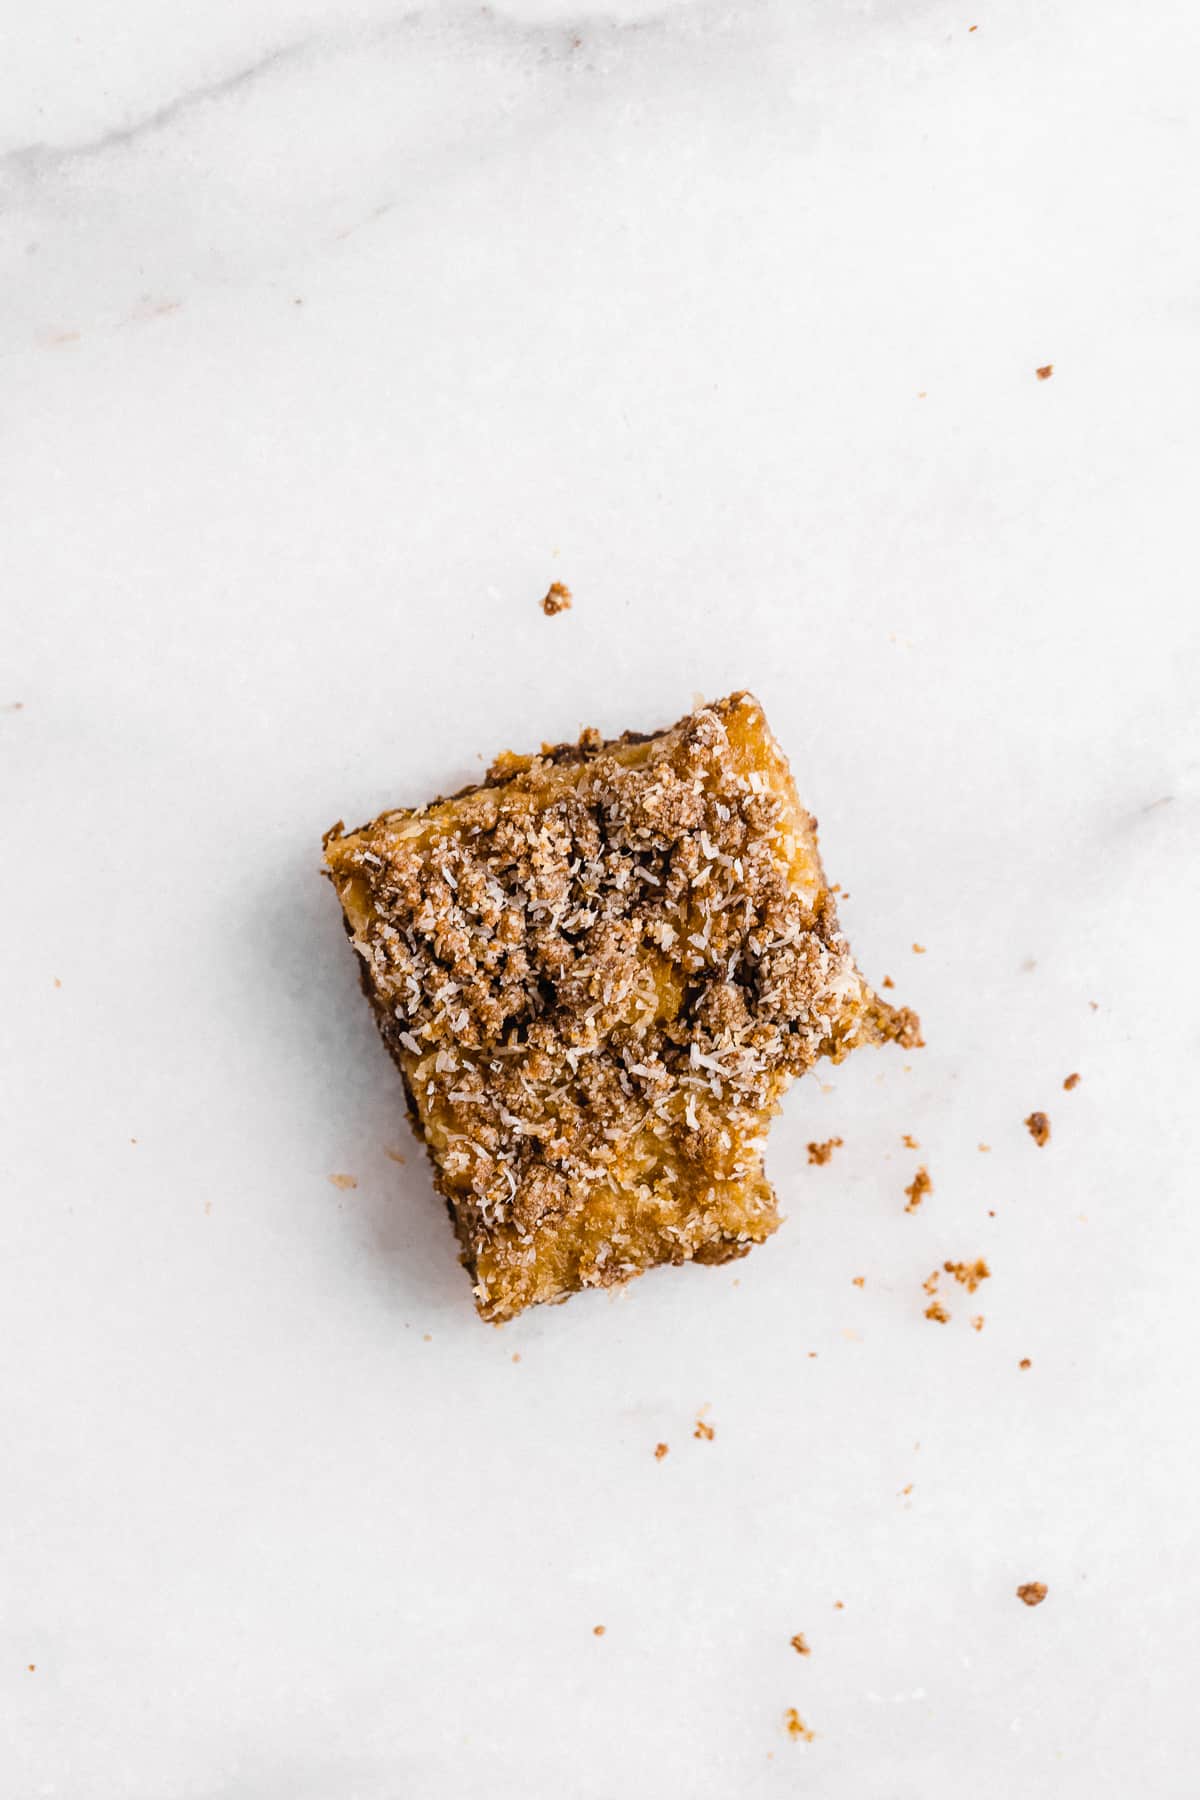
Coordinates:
[597,973]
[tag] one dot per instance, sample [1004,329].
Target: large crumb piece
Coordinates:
[597,972]
[800,1645]
[821,1153]
[1038,1126]
[918,1187]
[969,1274]
[1072,1081]
[796,1728]
[557,599]
[937,1312]
[1032,1592]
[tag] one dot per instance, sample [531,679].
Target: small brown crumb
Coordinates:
[859,1281]
[427,1337]
[395,1155]
[1032,1592]
[938,1313]
[32,1668]
[918,1187]
[133,1140]
[1038,1126]
[344,1181]
[813,1353]
[796,1728]
[598,1630]
[931,1281]
[557,599]
[1025,1363]
[908,1489]
[909,1142]
[800,1644]
[704,1430]
[888,982]
[660,1450]
[1095,1005]
[516,1356]
[57,982]
[918,949]
[821,1153]
[1045,372]
[977,1322]
[985,1146]
[1072,1081]
[991,1212]
[839,1606]
[969,1274]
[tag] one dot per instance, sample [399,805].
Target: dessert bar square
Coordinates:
[597,972]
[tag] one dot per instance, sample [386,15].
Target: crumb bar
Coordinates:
[597,972]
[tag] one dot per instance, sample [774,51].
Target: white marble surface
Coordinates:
[329,335]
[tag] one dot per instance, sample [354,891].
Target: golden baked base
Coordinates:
[597,973]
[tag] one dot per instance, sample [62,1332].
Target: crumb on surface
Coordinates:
[985,1146]
[918,1187]
[859,1281]
[908,1489]
[598,1630]
[887,982]
[1072,1081]
[918,949]
[796,1728]
[57,982]
[977,1322]
[556,599]
[1038,1126]
[427,1337]
[704,1429]
[344,1181]
[969,1274]
[394,1155]
[516,1356]
[909,1142]
[1032,1592]
[1025,1363]
[1045,372]
[799,1644]
[660,1450]
[937,1312]
[1095,1005]
[931,1281]
[821,1153]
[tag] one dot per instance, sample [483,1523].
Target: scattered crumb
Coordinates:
[1095,1005]
[516,1356]
[1072,1081]
[888,982]
[839,1606]
[1025,1363]
[704,1430]
[930,1282]
[1039,1127]
[977,1322]
[396,1156]
[57,982]
[813,1353]
[796,1728]
[427,1337]
[985,1146]
[598,1630]
[938,1313]
[969,1274]
[821,1153]
[133,1140]
[344,1181]
[1045,372]
[32,1668]
[557,599]
[660,1450]
[1032,1592]
[908,1489]
[909,1142]
[918,949]
[991,1212]
[859,1281]
[800,1644]
[918,1187]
